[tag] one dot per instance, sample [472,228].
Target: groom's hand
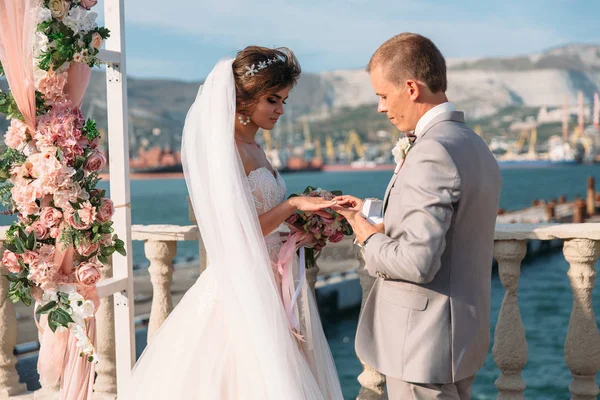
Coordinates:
[349,202]
[362,228]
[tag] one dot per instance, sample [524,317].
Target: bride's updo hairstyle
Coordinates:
[260,71]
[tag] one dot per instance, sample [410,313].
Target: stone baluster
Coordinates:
[9,379]
[161,255]
[372,382]
[105,386]
[582,346]
[510,345]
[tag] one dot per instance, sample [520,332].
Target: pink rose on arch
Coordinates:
[50,217]
[106,240]
[16,135]
[30,257]
[78,224]
[87,213]
[87,4]
[86,248]
[54,231]
[88,274]
[95,162]
[106,211]
[96,40]
[11,261]
[39,230]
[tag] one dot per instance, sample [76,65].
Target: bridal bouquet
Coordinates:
[49,172]
[324,225]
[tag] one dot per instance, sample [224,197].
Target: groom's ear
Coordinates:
[412,89]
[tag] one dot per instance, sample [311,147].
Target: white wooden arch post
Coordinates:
[121,284]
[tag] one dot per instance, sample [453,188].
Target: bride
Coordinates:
[229,337]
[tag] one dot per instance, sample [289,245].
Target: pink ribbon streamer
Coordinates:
[288,290]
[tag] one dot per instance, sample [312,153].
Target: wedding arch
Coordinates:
[67,230]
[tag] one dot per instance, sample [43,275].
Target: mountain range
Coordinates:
[337,100]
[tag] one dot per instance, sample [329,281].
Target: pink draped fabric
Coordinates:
[17,29]
[77,381]
[77,82]
[52,353]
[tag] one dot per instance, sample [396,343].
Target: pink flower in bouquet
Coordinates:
[86,247]
[38,229]
[96,40]
[106,211]
[337,237]
[95,162]
[11,261]
[30,257]
[52,86]
[315,229]
[16,135]
[328,230]
[88,273]
[292,219]
[50,217]
[87,4]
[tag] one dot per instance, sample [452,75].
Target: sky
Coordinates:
[183,39]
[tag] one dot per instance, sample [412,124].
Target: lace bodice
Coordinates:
[267,192]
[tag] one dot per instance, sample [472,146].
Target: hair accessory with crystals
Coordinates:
[253,69]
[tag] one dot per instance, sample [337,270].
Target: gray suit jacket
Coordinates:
[427,318]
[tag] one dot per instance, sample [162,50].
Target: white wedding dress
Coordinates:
[202,352]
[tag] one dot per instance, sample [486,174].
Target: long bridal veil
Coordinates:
[242,348]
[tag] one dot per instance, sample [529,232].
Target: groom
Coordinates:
[426,321]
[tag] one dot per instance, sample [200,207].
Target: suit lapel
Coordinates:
[387,191]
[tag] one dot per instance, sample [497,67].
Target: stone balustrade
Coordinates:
[582,344]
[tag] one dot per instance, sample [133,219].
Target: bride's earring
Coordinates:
[244,121]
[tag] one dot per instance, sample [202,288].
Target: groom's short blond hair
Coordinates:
[412,56]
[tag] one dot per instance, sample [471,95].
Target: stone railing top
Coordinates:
[164,233]
[547,231]
[503,232]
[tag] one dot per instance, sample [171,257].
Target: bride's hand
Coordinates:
[310,204]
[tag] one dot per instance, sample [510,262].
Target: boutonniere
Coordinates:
[400,151]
